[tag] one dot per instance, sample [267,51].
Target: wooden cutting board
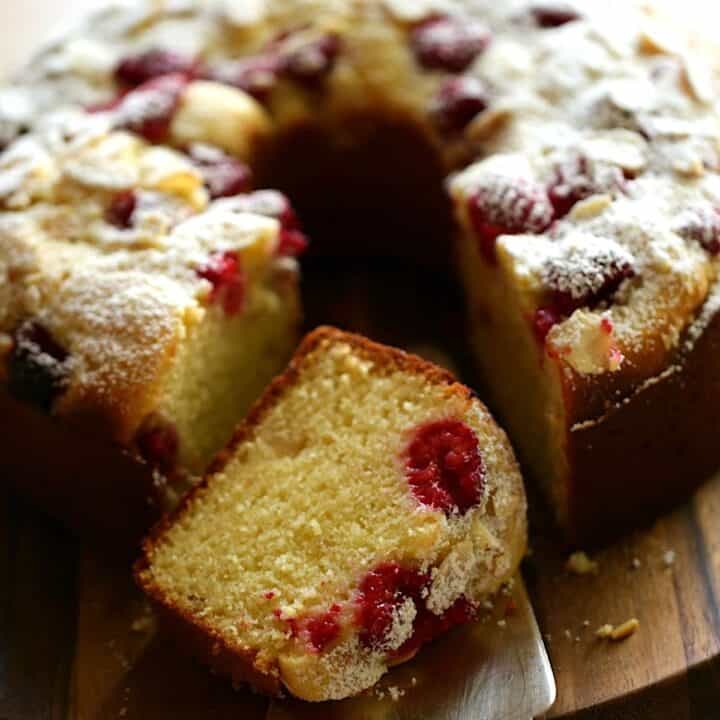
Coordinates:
[76,641]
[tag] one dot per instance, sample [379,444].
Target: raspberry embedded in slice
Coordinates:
[256,75]
[312,61]
[157,442]
[701,224]
[148,110]
[228,279]
[381,592]
[384,590]
[579,178]
[317,631]
[458,101]
[37,367]
[427,625]
[224,176]
[135,70]
[448,43]
[552,15]
[121,209]
[444,467]
[508,206]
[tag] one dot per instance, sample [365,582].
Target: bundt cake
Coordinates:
[136,298]
[581,142]
[367,504]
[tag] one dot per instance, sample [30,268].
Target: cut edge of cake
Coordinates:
[348,667]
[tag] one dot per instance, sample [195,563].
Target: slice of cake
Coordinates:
[147,299]
[368,504]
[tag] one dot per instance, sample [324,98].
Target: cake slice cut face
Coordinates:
[368,504]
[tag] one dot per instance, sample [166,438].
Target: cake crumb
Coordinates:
[604,631]
[586,623]
[669,558]
[502,624]
[580,564]
[142,624]
[395,692]
[413,681]
[620,632]
[635,564]
[567,634]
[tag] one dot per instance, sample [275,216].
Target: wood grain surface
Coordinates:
[76,643]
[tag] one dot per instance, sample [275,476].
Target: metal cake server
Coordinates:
[487,671]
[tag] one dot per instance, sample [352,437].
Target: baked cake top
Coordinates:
[603,134]
[113,250]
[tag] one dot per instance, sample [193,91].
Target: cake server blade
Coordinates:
[496,669]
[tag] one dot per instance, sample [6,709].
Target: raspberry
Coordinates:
[508,206]
[548,15]
[229,281]
[158,442]
[148,110]
[257,75]
[121,209]
[459,100]
[318,631]
[579,178]
[224,176]
[271,203]
[384,590]
[427,626]
[444,467]
[38,366]
[311,62]
[701,224]
[137,69]
[448,43]
[586,277]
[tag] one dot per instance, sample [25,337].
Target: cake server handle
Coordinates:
[496,669]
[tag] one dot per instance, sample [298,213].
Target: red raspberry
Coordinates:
[256,75]
[271,203]
[458,101]
[579,178]
[381,592]
[224,176]
[225,273]
[444,467]
[318,631]
[137,69]
[148,110]
[311,62]
[551,15]
[448,43]
[701,224]
[385,589]
[508,206]
[38,366]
